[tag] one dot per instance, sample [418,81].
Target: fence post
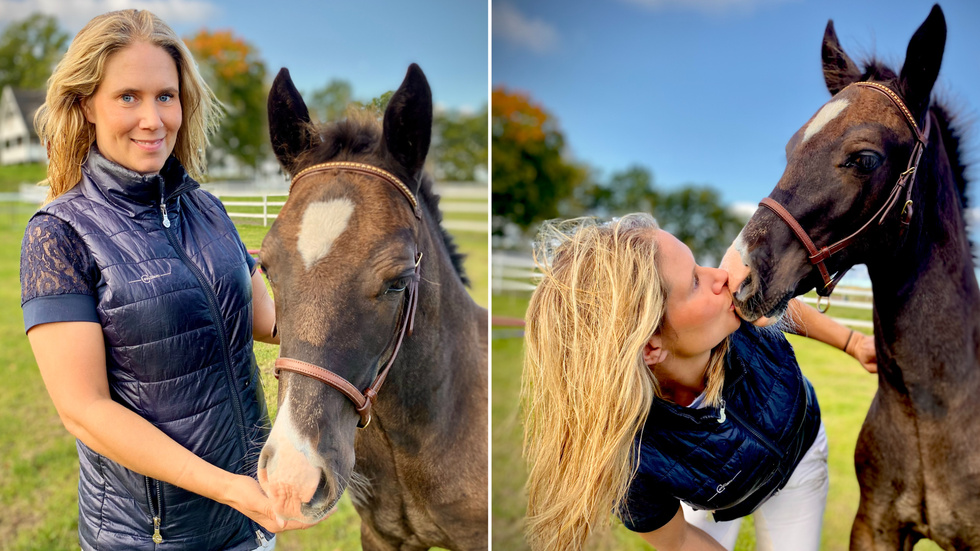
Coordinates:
[265,211]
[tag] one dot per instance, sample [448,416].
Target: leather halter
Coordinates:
[363,401]
[906,180]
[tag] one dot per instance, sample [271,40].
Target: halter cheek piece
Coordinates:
[363,401]
[905,180]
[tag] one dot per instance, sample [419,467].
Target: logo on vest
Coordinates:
[722,487]
[145,278]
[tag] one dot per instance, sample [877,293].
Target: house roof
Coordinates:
[29,101]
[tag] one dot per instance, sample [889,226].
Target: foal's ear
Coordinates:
[922,61]
[408,123]
[838,69]
[290,129]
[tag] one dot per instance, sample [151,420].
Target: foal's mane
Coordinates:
[952,136]
[359,134]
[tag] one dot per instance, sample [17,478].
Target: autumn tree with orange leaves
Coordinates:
[530,177]
[236,73]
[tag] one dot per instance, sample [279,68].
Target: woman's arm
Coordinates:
[75,377]
[263,312]
[678,535]
[808,322]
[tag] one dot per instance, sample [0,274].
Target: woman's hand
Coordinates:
[862,348]
[246,496]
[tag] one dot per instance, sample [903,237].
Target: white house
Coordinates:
[18,141]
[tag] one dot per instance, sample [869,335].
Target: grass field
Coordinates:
[843,388]
[12,176]
[38,461]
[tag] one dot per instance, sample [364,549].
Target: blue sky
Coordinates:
[708,91]
[370,43]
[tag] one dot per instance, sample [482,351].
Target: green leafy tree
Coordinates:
[531,180]
[330,102]
[233,69]
[696,216]
[630,190]
[459,145]
[377,105]
[29,50]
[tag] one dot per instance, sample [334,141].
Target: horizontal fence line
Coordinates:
[517,273]
[465,201]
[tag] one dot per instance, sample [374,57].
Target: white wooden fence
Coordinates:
[455,199]
[516,273]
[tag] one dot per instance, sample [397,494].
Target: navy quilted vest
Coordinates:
[730,462]
[175,303]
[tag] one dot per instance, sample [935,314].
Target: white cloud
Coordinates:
[742,210]
[972,216]
[520,30]
[74,14]
[708,7]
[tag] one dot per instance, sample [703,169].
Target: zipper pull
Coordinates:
[157,538]
[261,538]
[163,210]
[721,412]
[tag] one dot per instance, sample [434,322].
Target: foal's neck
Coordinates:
[927,304]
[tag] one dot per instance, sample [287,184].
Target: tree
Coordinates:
[459,145]
[29,50]
[530,178]
[233,69]
[695,215]
[630,190]
[330,102]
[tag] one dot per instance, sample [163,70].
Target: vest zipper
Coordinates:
[218,323]
[212,301]
[155,512]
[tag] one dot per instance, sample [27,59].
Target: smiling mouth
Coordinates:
[148,143]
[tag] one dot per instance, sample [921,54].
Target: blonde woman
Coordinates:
[643,391]
[141,303]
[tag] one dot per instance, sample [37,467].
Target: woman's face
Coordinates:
[136,108]
[700,311]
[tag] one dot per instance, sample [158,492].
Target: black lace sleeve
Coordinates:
[58,276]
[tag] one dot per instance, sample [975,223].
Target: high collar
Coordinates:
[131,190]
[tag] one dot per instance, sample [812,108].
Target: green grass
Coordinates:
[12,176]
[844,389]
[38,460]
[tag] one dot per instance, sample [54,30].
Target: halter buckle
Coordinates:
[825,306]
[907,211]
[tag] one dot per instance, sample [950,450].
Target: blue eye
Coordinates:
[127,98]
[165,98]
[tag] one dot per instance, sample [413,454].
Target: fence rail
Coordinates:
[456,200]
[514,273]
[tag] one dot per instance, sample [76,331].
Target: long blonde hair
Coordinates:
[61,124]
[586,391]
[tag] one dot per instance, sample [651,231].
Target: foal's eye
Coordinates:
[865,161]
[398,285]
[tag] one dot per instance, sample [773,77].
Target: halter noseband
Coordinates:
[363,401]
[905,180]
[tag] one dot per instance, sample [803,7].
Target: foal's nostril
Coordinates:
[322,486]
[267,452]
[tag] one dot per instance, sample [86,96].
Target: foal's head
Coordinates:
[340,259]
[841,168]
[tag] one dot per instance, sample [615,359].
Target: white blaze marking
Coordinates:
[826,114]
[740,248]
[323,222]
